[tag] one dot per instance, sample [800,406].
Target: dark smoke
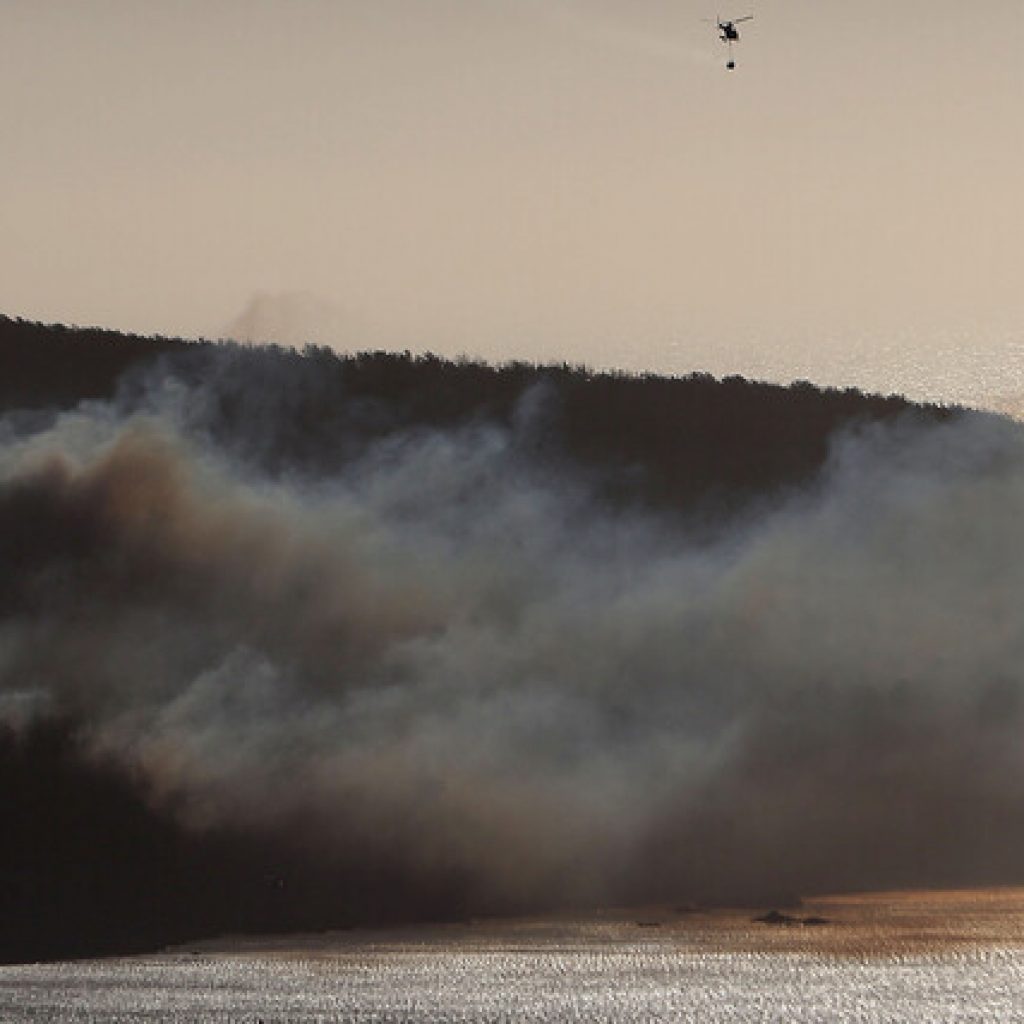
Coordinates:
[446,680]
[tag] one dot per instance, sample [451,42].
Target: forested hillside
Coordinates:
[672,441]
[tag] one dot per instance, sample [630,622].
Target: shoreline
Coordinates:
[891,923]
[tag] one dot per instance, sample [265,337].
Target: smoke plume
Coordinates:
[451,661]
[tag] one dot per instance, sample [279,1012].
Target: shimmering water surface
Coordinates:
[889,959]
[619,983]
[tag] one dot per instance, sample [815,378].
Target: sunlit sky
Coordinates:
[540,179]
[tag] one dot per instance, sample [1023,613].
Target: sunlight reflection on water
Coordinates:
[981,369]
[649,981]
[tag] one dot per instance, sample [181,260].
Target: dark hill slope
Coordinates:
[44,366]
[672,441]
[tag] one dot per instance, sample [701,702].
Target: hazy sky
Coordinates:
[577,179]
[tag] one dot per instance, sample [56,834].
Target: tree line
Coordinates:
[672,441]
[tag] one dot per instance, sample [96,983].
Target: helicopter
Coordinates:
[728,33]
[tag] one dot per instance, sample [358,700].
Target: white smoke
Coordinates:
[447,655]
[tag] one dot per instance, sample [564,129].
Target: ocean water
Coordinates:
[634,981]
